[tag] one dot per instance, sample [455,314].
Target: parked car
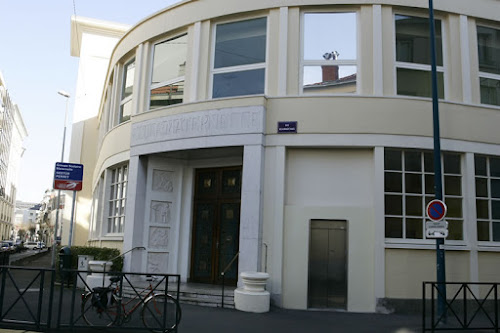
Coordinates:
[4,247]
[8,245]
[31,245]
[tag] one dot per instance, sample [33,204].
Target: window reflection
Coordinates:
[167,78]
[240,58]
[127,91]
[330,52]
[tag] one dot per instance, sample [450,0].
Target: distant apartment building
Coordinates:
[12,134]
[297,137]
[25,225]
[47,216]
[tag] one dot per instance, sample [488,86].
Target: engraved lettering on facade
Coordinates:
[196,124]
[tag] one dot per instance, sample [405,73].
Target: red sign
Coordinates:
[67,185]
[436,210]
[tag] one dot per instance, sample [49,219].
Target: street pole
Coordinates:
[440,262]
[70,241]
[56,226]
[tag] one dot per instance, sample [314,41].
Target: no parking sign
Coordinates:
[437,228]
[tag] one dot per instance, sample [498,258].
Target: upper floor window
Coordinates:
[488,198]
[329,53]
[239,64]
[409,187]
[488,45]
[127,90]
[413,57]
[167,78]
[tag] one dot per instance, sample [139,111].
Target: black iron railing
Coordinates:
[26,296]
[472,306]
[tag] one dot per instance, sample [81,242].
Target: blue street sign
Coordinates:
[68,176]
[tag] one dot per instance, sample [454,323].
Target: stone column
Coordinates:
[251,210]
[133,234]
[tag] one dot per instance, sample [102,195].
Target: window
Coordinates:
[127,90]
[167,79]
[488,198]
[413,58]
[95,210]
[409,187]
[330,52]
[117,198]
[488,44]
[239,58]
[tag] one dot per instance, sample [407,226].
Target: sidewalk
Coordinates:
[197,319]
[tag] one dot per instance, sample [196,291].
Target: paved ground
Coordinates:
[205,319]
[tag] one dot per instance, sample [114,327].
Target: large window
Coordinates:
[413,57]
[117,197]
[127,90]
[488,44]
[409,187]
[167,78]
[330,52]
[488,198]
[240,58]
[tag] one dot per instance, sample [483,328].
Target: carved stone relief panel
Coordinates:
[158,237]
[163,181]
[157,263]
[160,212]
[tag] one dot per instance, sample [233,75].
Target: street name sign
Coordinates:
[68,176]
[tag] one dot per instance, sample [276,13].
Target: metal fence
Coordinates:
[119,300]
[35,298]
[472,306]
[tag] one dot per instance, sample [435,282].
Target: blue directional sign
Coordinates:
[68,176]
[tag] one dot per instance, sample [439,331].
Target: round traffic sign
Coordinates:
[436,210]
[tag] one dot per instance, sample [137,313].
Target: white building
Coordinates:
[27,215]
[12,134]
[297,134]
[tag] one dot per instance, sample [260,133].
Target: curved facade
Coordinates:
[299,135]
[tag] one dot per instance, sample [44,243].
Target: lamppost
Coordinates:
[56,227]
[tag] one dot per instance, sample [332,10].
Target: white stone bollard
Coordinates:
[252,297]
[96,278]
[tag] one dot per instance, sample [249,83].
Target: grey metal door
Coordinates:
[328,264]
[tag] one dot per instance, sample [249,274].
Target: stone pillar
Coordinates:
[251,210]
[133,234]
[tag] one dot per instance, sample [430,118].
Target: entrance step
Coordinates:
[207,299]
[200,294]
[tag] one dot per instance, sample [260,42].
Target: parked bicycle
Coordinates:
[105,306]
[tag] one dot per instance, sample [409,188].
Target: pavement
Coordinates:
[277,320]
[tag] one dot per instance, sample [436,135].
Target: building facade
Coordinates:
[298,136]
[26,224]
[12,134]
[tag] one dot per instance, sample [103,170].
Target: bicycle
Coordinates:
[104,306]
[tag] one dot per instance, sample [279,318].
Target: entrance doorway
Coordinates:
[215,239]
[327,287]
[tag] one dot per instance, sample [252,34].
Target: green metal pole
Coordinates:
[440,262]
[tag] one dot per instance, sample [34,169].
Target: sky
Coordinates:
[36,63]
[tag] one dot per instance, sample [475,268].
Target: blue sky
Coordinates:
[36,63]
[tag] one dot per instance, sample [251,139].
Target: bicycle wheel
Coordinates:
[98,316]
[161,313]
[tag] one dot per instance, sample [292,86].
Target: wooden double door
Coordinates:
[215,239]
